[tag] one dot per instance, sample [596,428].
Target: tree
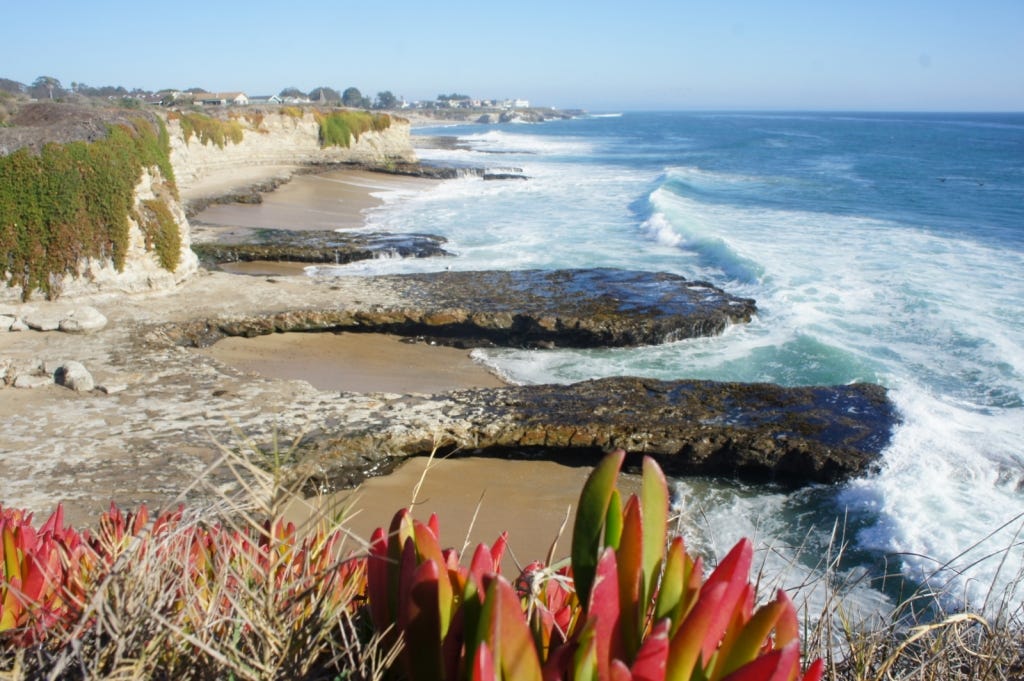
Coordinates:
[352,97]
[325,94]
[291,92]
[386,100]
[12,86]
[46,84]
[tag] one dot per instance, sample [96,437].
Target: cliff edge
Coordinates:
[91,200]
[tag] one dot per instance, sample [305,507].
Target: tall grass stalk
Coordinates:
[226,592]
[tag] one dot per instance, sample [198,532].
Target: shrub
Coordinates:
[175,597]
[209,130]
[340,128]
[255,120]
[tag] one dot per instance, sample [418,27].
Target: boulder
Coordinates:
[19,325]
[6,322]
[44,318]
[75,376]
[83,319]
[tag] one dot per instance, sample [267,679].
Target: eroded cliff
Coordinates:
[90,198]
[277,137]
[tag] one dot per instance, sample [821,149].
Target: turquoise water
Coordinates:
[885,248]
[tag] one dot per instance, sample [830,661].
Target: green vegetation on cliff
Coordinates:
[340,128]
[74,200]
[161,232]
[208,129]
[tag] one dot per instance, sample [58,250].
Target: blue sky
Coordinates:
[681,54]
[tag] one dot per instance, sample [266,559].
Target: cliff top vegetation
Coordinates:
[35,124]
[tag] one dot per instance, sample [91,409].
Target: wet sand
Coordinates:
[332,200]
[528,499]
[355,362]
[265,268]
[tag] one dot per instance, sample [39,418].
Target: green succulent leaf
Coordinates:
[588,530]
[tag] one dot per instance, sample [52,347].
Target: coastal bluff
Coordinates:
[281,137]
[132,172]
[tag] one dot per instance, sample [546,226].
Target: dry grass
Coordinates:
[251,614]
[918,639]
[149,618]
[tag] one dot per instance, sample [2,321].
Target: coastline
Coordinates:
[363,363]
[332,200]
[155,430]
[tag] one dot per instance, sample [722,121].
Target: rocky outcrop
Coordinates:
[278,138]
[530,308]
[752,431]
[64,317]
[334,248]
[36,373]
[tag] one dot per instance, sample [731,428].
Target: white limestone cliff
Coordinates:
[280,139]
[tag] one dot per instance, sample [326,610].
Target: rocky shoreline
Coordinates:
[149,422]
[160,430]
[528,308]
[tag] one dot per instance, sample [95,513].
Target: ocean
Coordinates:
[879,247]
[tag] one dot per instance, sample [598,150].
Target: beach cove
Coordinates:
[807,331]
[152,430]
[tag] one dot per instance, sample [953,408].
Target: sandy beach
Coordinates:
[348,362]
[355,362]
[333,200]
[476,499]
[472,496]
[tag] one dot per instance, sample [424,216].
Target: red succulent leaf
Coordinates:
[483,664]
[779,665]
[652,659]
[618,671]
[606,614]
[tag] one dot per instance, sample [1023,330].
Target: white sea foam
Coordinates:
[948,500]
[918,307]
[842,297]
[500,141]
[659,227]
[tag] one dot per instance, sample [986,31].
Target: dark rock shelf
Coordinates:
[533,308]
[756,432]
[321,247]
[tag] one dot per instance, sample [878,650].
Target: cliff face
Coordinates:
[200,148]
[142,270]
[279,138]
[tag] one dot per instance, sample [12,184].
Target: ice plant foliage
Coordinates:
[631,605]
[49,572]
[41,585]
